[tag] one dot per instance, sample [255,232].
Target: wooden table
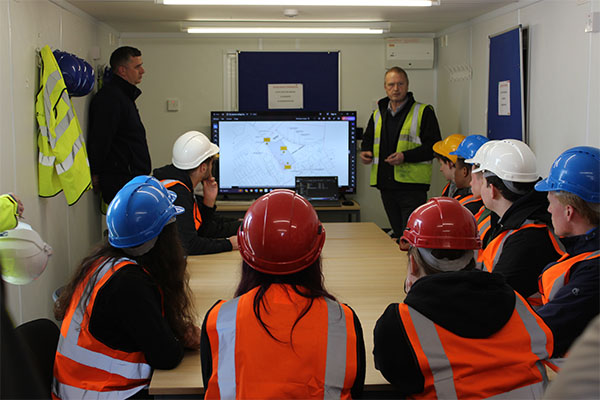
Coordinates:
[363,267]
[237,208]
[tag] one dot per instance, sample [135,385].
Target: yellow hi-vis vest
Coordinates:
[62,162]
[407,140]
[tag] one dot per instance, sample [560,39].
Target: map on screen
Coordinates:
[266,153]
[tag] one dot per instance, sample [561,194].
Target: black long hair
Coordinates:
[165,263]
[308,283]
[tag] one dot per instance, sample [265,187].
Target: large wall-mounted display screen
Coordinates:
[262,151]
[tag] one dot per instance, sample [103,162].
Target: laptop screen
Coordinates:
[318,187]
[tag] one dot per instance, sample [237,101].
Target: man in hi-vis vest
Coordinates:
[398,144]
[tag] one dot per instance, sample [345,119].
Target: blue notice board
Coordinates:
[506,119]
[318,72]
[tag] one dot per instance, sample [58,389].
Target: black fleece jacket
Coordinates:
[390,131]
[470,304]
[116,140]
[212,235]
[528,251]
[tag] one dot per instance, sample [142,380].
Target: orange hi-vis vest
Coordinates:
[489,256]
[484,221]
[317,360]
[197,216]
[508,363]
[557,276]
[85,367]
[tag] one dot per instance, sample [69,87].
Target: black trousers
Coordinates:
[399,204]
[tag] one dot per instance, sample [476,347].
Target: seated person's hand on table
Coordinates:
[234,242]
[192,337]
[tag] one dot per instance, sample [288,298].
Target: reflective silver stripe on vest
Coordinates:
[226,321]
[414,123]
[63,391]
[335,370]
[70,159]
[534,391]
[65,122]
[559,283]
[336,350]
[485,226]
[376,118]
[69,348]
[441,370]
[46,161]
[536,333]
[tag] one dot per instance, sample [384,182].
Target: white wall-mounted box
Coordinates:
[409,53]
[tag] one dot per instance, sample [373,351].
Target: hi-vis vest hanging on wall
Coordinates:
[408,139]
[62,162]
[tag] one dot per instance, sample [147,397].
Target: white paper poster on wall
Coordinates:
[504,98]
[285,96]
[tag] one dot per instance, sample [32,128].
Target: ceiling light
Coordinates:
[343,3]
[268,30]
[294,28]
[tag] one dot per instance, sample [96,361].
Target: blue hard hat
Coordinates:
[86,84]
[139,212]
[469,146]
[576,171]
[70,68]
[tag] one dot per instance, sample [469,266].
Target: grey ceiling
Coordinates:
[148,16]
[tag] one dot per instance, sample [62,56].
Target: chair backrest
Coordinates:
[41,337]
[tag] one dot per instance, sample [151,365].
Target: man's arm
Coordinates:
[430,133]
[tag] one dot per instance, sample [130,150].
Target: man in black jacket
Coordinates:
[117,145]
[400,151]
[201,229]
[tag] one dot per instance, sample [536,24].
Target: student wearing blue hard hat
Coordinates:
[127,309]
[569,288]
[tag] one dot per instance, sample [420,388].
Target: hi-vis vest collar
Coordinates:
[557,276]
[409,138]
[455,367]
[85,367]
[488,257]
[197,216]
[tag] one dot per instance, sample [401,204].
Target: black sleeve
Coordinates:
[127,315]
[359,381]
[430,133]
[394,356]
[205,352]
[524,256]
[104,117]
[214,225]
[191,240]
[368,136]
[574,305]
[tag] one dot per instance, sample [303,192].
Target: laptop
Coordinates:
[320,191]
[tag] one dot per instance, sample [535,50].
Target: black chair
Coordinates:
[41,337]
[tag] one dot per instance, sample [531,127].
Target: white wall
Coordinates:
[192,70]
[25,27]
[564,76]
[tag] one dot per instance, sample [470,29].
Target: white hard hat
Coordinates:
[191,149]
[23,254]
[510,160]
[481,154]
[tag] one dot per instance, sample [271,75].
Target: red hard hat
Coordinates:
[442,223]
[281,233]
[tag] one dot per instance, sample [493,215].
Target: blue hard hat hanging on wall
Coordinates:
[78,75]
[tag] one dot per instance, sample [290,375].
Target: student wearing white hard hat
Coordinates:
[201,228]
[522,243]
[127,309]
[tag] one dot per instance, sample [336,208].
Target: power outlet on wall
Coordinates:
[592,22]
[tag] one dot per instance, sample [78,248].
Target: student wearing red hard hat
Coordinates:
[283,335]
[460,332]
